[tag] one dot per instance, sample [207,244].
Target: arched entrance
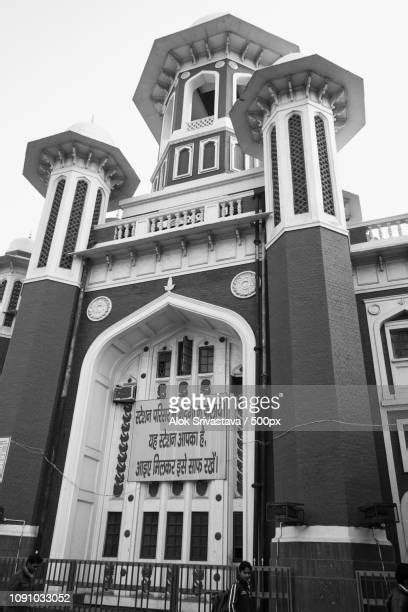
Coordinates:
[171,343]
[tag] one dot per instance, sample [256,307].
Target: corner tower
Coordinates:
[296,114]
[81,174]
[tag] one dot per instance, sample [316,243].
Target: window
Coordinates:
[183,161]
[240,82]
[149,535]
[199,536]
[297,161]
[3,286]
[399,342]
[325,178]
[238,157]
[52,221]
[205,386]
[208,157]
[73,224]
[237,537]
[201,487]
[168,120]
[177,488]
[153,488]
[185,357]
[95,218]
[275,179]
[205,359]
[163,175]
[161,391]
[174,535]
[163,364]
[12,306]
[200,100]
[183,389]
[112,534]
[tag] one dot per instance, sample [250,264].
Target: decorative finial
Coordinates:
[170,285]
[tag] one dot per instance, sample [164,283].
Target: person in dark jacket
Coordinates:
[23,580]
[240,595]
[398,600]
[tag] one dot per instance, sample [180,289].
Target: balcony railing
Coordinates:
[199,123]
[178,218]
[385,229]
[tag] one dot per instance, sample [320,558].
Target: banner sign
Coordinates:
[159,454]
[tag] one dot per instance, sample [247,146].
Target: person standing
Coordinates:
[239,599]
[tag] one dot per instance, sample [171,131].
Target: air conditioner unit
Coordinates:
[377,515]
[125,394]
[285,513]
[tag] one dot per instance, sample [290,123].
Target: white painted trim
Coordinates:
[331,533]
[164,275]
[70,489]
[16,530]
[306,225]
[403,445]
[236,78]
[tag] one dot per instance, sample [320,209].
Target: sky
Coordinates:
[62,63]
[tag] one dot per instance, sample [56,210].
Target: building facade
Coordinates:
[246,266]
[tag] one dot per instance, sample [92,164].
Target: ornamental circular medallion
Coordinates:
[244,285]
[99,308]
[374,309]
[185,75]
[219,64]
[233,65]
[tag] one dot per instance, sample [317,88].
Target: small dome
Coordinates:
[21,244]
[91,130]
[209,17]
[289,57]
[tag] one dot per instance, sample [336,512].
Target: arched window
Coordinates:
[12,305]
[275,179]
[52,221]
[240,81]
[73,224]
[3,286]
[168,121]
[200,100]
[183,389]
[325,177]
[297,160]
[208,158]
[183,161]
[238,157]
[95,218]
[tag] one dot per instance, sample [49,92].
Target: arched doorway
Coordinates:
[173,343]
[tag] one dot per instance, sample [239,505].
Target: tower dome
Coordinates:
[20,244]
[92,130]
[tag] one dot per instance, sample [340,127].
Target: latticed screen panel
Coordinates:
[275,179]
[73,224]
[52,221]
[3,286]
[12,306]
[95,218]
[297,160]
[325,177]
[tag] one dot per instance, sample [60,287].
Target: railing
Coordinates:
[387,228]
[373,589]
[230,208]
[178,218]
[172,587]
[199,123]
